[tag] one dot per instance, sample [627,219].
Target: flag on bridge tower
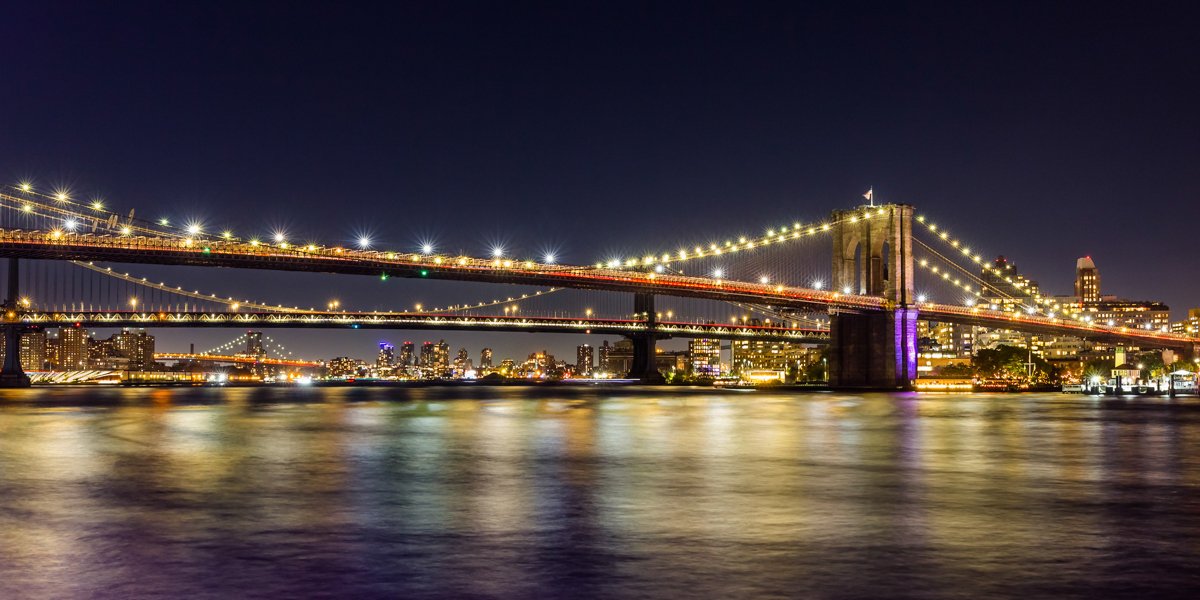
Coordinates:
[870,195]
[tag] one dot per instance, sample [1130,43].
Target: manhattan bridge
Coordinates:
[848,279]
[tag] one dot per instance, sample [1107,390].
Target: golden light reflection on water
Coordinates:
[100,487]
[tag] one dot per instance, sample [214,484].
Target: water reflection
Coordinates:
[567,492]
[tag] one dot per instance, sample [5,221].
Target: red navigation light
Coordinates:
[77,323]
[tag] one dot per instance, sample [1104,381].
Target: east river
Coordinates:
[594,493]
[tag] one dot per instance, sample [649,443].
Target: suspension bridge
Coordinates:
[866,313]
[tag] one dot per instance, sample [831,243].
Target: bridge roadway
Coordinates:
[60,245]
[421,321]
[320,259]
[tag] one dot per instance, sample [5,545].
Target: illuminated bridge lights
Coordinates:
[327,260]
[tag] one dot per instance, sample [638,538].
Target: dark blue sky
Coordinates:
[1042,131]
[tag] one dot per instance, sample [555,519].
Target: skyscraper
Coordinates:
[485,358]
[441,358]
[387,356]
[584,356]
[605,349]
[462,361]
[1087,281]
[407,349]
[426,361]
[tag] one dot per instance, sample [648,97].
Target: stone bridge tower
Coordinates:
[872,256]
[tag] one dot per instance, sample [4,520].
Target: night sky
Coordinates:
[1045,132]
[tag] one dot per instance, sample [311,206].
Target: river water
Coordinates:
[594,493]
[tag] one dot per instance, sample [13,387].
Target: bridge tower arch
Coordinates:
[885,267]
[872,256]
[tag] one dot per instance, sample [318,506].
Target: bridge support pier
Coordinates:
[12,375]
[644,367]
[873,350]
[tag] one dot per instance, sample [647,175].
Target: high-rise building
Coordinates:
[72,348]
[426,361]
[137,346]
[705,357]
[1087,281]
[33,350]
[605,350]
[254,343]
[485,358]
[441,359]
[462,361]
[386,358]
[407,350]
[584,355]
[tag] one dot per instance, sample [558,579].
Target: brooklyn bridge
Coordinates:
[863,301]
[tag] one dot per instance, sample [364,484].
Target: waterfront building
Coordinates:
[342,366]
[485,359]
[507,368]
[705,357]
[788,358]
